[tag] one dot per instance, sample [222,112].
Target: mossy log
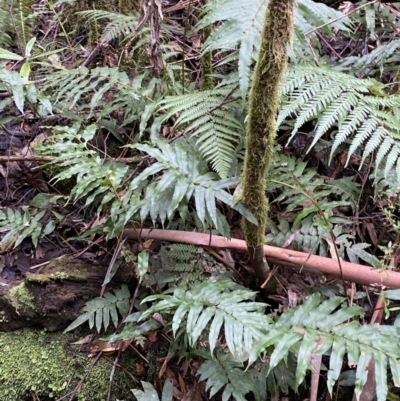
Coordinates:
[54,296]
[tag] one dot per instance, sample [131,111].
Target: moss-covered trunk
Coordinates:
[261,126]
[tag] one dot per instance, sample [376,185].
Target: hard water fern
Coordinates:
[101,311]
[221,373]
[317,327]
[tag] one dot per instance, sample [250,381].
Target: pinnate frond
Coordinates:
[344,103]
[316,328]
[242,24]
[219,372]
[203,115]
[219,305]
[184,174]
[100,311]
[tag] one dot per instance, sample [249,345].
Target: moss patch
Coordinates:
[37,363]
[21,298]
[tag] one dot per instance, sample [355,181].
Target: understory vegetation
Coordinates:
[119,117]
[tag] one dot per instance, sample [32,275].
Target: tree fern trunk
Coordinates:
[261,126]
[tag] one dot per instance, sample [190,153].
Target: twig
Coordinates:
[38,158]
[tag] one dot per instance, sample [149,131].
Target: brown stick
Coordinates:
[353,272]
[38,158]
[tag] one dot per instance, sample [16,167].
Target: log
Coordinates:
[356,273]
[55,296]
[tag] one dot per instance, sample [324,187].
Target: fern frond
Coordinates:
[344,103]
[117,23]
[220,304]
[213,124]
[242,23]
[316,328]
[14,21]
[20,225]
[220,372]
[382,56]
[95,178]
[99,311]
[185,174]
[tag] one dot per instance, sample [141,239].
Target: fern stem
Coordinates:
[261,127]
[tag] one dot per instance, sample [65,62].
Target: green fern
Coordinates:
[181,263]
[381,58]
[204,116]
[185,174]
[316,328]
[14,20]
[85,91]
[95,177]
[221,373]
[117,23]
[99,311]
[221,304]
[339,101]
[243,23]
[20,225]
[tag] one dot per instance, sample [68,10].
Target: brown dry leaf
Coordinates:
[84,340]
[372,232]
[228,258]
[289,241]
[111,346]
[182,384]
[157,317]
[147,244]
[39,253]
[3,171]
[163,369]
[292,298]
[169,374]
[193,394]
[98,221]
[196,43]
[140,370]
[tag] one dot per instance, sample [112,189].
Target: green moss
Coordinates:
[57,276]
[36,364]
[21,298]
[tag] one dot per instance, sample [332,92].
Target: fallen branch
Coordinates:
[352,272]
[38,158]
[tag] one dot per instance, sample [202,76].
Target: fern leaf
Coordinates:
[324,325]
[342,102]
[216,130]
[242,23]
[99,311]
[242,318]
[117,23]
[220,372]
[184,174]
